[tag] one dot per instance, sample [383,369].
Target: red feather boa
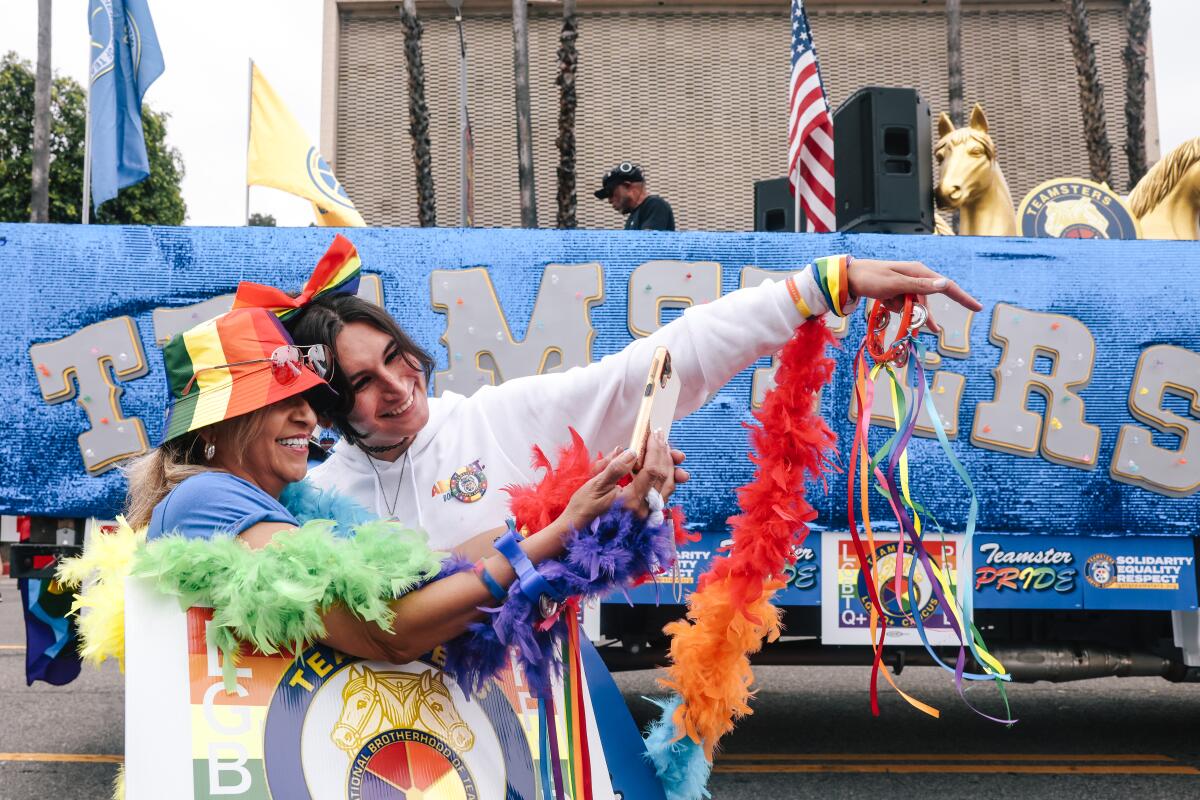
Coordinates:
[536,505]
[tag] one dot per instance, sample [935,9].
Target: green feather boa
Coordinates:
[273,598]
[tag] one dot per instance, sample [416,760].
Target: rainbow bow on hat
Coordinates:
[337,271]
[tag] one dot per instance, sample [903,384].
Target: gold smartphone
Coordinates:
[659,399]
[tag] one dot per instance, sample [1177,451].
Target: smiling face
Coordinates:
[275,451]
[390,403]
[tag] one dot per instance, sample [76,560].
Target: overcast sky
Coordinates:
[206,47]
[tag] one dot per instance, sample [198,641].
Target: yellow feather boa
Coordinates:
[100,575]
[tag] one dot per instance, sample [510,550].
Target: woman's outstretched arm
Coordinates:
[441,610]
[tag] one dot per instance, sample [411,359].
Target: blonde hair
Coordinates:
[154,475]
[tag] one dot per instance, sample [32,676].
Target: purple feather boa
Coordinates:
[617,548]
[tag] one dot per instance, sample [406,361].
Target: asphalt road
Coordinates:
[812,735]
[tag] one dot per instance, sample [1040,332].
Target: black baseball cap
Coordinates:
[625,171]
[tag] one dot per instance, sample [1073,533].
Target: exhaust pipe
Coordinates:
[1061,663]
[1026,663]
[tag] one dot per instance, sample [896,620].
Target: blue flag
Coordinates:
[125,61]
[50,638]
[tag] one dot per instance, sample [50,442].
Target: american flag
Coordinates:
[810,130]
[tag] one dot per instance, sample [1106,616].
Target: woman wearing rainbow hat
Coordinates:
[221,521]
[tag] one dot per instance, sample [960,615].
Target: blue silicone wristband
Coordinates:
[492,585]
[529,581]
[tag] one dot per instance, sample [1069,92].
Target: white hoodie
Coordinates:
[498,425]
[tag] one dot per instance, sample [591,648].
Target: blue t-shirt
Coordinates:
[214,503]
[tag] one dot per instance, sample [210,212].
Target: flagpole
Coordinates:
[249,109]
[87,143]
[466,156]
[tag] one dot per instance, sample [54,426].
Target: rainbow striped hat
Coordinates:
[220,389]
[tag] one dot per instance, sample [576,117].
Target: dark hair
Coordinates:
[322,320]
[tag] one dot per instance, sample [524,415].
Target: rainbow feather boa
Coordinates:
[730,613]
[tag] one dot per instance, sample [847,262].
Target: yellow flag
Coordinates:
[281,156]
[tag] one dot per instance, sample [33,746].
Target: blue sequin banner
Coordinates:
[1130,296]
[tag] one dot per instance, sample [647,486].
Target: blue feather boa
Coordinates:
[680,765]
[307,502]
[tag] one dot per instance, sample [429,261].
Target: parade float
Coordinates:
[1050,452]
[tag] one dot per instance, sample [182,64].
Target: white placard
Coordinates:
[845,600]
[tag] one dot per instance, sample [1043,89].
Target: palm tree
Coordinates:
[418,115]
[1091,93]
[1137,29]
[568,60]
[524,123]
[954,59]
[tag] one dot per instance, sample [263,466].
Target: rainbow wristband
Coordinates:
[830,274]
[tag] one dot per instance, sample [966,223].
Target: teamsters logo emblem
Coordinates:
[1073,208]
[467,485]
[1101,570]
[897,597]
[399,727]
[388,732]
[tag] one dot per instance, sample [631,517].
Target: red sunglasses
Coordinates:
[286,362]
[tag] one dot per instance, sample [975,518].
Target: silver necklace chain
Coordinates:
[391,509]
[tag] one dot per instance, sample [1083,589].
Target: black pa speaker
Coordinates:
[774,206]
[884,172]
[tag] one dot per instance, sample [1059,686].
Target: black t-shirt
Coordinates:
[654,214]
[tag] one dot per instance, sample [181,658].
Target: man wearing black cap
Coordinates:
[624,187]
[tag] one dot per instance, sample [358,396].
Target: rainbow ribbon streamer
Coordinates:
[566,774]
[580,766]
[888,468]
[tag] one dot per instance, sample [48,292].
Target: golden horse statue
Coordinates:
[373,702]
[1167,200]
[971,179]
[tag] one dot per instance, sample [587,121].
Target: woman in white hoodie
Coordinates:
[439,462]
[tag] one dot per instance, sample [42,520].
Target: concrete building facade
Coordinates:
[696,93]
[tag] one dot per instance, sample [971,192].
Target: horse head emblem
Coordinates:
[362,711]
[1077,217]
[437,715]
[373,702]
